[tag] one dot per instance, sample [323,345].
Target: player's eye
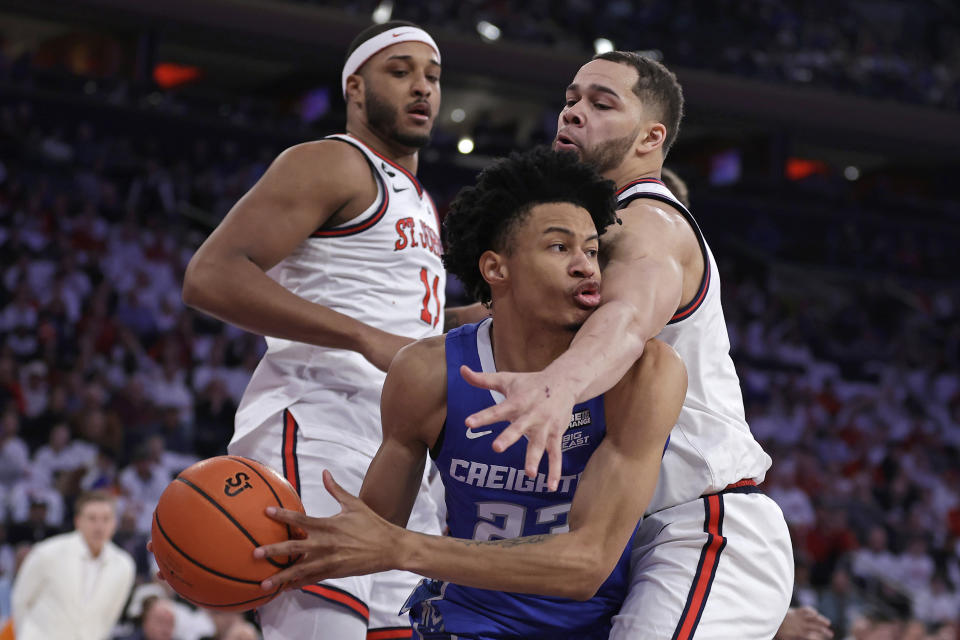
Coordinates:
[558,246]
[601,106]
[569,102]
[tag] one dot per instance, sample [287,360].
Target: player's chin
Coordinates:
[414,137]
[577,318]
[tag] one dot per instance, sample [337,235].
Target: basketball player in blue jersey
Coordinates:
[712,558]
[351,241]
[525,239]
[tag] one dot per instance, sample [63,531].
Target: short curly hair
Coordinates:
[482,217]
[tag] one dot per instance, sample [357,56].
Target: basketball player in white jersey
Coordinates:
[800,623]
[712,557]
[351,242]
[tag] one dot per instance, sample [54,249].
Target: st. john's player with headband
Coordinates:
[351,242]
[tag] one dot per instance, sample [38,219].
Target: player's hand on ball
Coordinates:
[354,542]
[536,406]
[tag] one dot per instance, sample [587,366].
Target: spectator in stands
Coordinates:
[36,513]
[142,483]
[874,562]
[61,455]
[840,602]
[156,622]
[914,567]
[937,603]
[14,455]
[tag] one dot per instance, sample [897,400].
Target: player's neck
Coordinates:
[406,157]
[520,345]
[635,169]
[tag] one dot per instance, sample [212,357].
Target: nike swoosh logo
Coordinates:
[473,435]
[396,190]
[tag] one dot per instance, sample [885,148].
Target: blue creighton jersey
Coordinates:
[489,498]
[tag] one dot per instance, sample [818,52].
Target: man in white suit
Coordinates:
[73,586]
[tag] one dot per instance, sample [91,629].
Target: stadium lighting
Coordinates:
[851,173]
[383,12]
[488,31]
[465,146]
[602,45]
[458,115]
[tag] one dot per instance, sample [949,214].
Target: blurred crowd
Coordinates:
[108,381]
[898,50]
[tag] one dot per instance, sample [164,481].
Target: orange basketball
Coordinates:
[207,524]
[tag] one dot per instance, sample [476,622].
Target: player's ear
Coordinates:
[652,137]
[354,88]
[493,268]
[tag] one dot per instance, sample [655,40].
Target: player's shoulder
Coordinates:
[416,383]
[652,224]
[422,357]
[650,212]
[330,154]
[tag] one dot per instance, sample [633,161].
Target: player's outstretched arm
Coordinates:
[304,187]
[614,490]
[642,288]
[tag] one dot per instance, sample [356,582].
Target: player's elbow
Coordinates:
[192,292]
[660,361]
[199,282]
[593,571]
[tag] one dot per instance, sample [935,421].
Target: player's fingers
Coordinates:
[150,545]
[502,412]
[289,517]
[340,494]
[495,381]
[554,463]
[287,548]
[508,437]
[288,578]
[534,454]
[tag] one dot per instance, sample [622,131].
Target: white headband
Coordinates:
[378,43]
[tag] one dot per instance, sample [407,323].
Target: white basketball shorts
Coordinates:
[715,568]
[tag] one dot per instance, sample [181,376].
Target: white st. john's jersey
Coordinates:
[382,268]
[711,446]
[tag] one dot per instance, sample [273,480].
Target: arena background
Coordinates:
[821,151]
